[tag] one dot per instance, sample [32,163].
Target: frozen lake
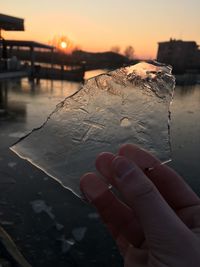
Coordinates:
[22,185]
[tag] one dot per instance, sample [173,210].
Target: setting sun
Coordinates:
[63,45]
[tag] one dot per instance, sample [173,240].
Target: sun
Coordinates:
[63,44]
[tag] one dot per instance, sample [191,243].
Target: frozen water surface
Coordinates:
[128,105]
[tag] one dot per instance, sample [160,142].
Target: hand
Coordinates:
[154,217]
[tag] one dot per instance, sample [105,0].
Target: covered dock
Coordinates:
[10,66]
[31,68]
[22,58]
[10,23]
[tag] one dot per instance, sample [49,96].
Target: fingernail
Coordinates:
[122,167]
[92,188]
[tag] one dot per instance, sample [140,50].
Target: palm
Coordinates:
[146,238]
[188,215]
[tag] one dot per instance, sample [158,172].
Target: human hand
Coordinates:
[156,220]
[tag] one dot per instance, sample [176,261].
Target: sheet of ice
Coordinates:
[128,105]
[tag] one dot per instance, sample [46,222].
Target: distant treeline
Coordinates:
[90,60]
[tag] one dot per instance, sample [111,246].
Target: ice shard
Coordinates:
[127,105]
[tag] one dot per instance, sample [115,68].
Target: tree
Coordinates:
[115,49]
[129,52]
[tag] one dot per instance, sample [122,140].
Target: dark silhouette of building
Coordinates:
[183,56]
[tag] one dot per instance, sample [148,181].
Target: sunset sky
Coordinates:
[98,25]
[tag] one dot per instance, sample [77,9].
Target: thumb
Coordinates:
[159,221]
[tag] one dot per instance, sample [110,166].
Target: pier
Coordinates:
[23,58]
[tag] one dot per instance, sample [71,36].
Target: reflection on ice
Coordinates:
[128,105]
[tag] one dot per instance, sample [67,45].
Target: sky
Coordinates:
[98,25]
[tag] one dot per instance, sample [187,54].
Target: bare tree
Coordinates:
[115,49]
[129,52]
[76,48]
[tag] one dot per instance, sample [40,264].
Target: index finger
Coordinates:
[172,187]
[119,218]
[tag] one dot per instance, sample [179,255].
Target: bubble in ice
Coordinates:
[127,105]
[125,122]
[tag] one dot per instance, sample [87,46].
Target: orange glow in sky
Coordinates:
[99,25]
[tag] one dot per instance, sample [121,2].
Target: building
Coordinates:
[183,56]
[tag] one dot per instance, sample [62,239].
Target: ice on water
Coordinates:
[127,105]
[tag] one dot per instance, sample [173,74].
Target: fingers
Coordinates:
[155,215]
[103,165]
[171,186]
[118,217]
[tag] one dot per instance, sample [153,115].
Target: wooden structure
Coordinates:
[10,23]
[30,66]
[32,46]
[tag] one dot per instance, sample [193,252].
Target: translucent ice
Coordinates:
[128,105]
